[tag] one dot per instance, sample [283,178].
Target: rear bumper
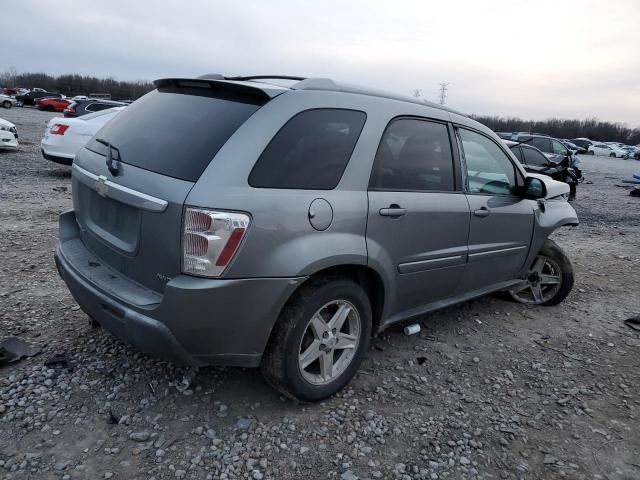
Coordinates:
[194,322]
[54,148]
[56,158]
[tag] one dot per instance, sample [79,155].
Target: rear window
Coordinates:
[310,152]
[175,131]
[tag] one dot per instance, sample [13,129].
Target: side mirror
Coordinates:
[534,188]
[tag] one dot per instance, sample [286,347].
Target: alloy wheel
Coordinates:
[329,342]
[541,283]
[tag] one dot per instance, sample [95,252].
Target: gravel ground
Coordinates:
[488,389]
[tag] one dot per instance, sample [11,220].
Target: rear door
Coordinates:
[418,216]
[501,223]
[131,181]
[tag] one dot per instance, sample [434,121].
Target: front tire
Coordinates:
[6,104]
[549,280]
[319,340]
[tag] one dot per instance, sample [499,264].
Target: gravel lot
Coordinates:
[488,389]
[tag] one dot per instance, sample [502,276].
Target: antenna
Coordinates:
[443,92]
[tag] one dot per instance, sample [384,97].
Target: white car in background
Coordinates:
[64,137]
[8,135]
[604,150]
[7,102]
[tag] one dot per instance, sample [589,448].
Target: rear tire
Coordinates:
[612,155]
[304,329]
[549,280]
[591,152]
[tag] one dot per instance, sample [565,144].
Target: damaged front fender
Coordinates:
[549,216]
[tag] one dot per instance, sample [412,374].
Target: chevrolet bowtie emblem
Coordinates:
[101,186]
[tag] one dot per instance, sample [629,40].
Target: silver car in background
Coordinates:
[234,221]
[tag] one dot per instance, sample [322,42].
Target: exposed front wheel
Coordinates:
[549,280]
[612,155]
[319,339]
[6,104]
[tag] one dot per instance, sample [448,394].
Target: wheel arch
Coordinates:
[368,278]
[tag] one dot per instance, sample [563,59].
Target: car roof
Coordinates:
[270,89]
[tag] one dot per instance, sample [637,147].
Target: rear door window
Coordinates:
[414,155]
[310,152]
[176,131]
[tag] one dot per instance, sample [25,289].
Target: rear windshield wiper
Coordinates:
[112,154]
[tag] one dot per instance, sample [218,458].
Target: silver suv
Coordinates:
[233,221]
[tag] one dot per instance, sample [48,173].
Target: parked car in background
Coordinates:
[505,135]
[544,143]
[64,137]
[205,193]
[12,92]
[7,101]
[555,166]
[8,135]
[29,98]
[584,143]
[575,149]
[79,97]
[91,105]
[631,151]
[52,104]
[604,150]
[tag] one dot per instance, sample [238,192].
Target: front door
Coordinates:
[418,220]
[502,222]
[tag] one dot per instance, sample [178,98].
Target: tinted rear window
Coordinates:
[175,132]
[310,152]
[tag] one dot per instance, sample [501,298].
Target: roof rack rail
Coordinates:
[266,77]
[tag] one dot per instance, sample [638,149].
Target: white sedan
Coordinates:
[7,102]
[64,137]
[604,150]
[8,135]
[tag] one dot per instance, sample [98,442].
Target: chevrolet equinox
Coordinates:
[235,221]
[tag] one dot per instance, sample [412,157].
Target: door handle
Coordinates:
[393,211]
[482,212]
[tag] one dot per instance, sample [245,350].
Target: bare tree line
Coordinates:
[565,128]
[74,84]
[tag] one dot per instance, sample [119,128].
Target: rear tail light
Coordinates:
[58,129]
[69,110]
[210,240]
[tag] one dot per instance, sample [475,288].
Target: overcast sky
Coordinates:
[532,59]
